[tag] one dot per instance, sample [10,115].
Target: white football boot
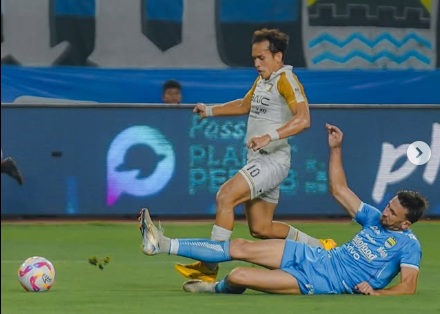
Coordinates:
[150,234]
[199,286]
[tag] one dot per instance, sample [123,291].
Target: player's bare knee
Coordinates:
[260,232]
[238,276]
[223,198]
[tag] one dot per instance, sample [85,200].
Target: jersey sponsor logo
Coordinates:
[259,110]
[259,99]
[363,248]
[390,242]
[352,251]
[370,238]
[383,253]
[375,229]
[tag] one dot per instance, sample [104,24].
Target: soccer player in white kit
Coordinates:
[278,109]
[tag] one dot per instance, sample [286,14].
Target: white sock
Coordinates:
[219,234]
[174,246]
[296,235]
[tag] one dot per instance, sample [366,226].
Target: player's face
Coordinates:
[172,96]
[264,61]
[394,216]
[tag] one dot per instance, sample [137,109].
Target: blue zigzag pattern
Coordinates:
[371,58]
[369,42]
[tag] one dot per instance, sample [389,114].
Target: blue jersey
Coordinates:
[375,254]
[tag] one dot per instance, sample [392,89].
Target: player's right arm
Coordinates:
[407,284]
[231,108]
[338,183]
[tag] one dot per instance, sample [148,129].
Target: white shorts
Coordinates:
[264,174]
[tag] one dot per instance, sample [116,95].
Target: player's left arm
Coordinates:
[291,89]
[298,123]
[407,285]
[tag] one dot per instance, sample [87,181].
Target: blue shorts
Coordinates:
[312,268]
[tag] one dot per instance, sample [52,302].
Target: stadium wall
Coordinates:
[325,34]
[112,159]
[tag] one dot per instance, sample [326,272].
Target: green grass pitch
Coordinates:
[135,283]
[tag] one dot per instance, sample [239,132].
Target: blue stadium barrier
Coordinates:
[20,84]
[111,160]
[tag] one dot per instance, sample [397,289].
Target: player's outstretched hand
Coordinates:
[335,136]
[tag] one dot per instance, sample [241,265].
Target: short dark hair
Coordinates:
[278,41]
[414,202]
[171,84]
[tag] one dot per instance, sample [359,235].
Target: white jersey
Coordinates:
[270,107]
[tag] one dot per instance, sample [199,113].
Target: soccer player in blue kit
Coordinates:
[367,264]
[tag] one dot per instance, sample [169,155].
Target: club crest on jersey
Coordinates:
[390,242]
[269,87]
[375,229]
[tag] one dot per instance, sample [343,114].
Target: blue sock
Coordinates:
[204,250]
[223,287]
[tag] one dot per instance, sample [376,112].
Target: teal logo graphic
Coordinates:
[140,162]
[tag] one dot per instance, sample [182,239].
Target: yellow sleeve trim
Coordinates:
[251,91]
[291,89]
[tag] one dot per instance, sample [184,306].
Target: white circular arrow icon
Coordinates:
[418,153]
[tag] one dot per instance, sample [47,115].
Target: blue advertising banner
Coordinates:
[108,160]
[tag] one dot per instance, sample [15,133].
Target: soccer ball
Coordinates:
[36,274]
